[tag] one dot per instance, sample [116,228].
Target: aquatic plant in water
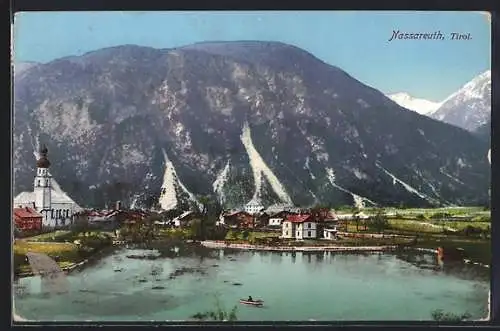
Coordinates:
[440,316]
[218,314]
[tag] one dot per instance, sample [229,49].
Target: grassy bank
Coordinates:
[65,254]
[250,235]
[65,247]
[476,248]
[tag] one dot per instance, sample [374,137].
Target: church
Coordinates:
[55,206]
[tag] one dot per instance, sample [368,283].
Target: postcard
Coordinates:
[251,166]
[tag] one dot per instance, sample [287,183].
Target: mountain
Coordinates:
[469,107]
[236,121]
[421,106]
[21,68]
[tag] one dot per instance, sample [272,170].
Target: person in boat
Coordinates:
[250,298]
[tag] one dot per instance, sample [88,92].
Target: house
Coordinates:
[99,219]
[330,234]
[239,219]
[104,223]
[329,220]
[254,206]
[277,219]
[321,213]
[184,219]
[301,226]
[261,219]
[361,216]
[27,219]
[277,208]
[126,216]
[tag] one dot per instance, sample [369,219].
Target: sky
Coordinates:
[357,42]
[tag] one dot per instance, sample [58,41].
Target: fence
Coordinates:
[372,235]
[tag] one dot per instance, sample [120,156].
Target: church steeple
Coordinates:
[42,184]
[43,161]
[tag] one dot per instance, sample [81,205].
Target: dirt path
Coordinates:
[437,226]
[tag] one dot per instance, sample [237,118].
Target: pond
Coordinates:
[300,286]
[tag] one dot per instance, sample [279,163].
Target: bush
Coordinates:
[219,314]
[470,230]
[19,260]
[440,316]
[483,218]
[440,215]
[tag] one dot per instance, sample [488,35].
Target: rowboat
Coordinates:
[257,303]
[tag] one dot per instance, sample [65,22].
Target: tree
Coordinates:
[234,235]
[421,217]
[151,201]
[379,222]
[355,215]
[209,212]
[197,229]
[170,214]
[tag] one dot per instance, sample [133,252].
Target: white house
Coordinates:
[360,215]
[299,227]
[178,220]
[55,206]
[277,219]
[277,208]
[254,206]
[330,234]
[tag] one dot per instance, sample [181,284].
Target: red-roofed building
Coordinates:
[238,219]
[27,219]
[299,226]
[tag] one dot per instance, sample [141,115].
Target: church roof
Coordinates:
[24,198]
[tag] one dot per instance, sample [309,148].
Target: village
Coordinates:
[287,222]
[47,215]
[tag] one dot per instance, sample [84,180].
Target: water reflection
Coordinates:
[307,256]
[425,261]
[179,284]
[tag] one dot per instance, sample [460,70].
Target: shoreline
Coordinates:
[330,248]
[68,269]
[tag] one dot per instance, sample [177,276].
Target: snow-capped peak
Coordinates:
[470,90]
[470,106]
[421,106]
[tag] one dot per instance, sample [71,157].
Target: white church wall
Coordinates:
[56,207]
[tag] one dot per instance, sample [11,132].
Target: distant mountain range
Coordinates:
[421,106]
[236,121]
[468,108]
